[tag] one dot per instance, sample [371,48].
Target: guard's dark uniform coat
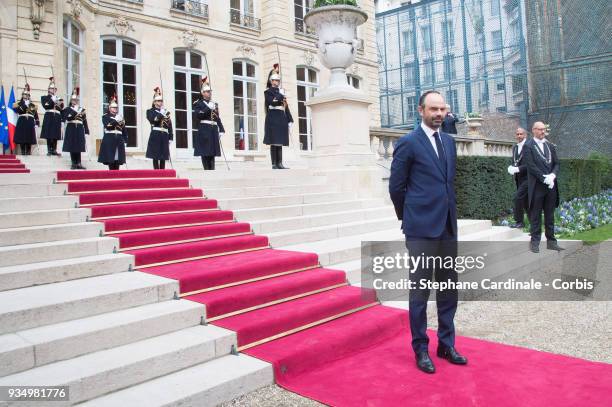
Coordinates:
[520,179]
[158,147]
[25,131]
[113,142]
[206,142]
[277,121]
[74,137]
[52,121]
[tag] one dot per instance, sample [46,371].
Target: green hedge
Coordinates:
[485,190]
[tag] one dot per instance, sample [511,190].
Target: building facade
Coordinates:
[129,47]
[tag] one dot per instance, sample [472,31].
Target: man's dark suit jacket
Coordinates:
[423,195]
[518,160]
[537,168]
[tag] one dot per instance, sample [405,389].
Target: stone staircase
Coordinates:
[73,312]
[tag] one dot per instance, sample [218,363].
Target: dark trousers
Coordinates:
[520,201]
[51,146]
[114,165]
[544,199]
[446,301]
[75,158]
[159,164]
[208,162]
[26,149]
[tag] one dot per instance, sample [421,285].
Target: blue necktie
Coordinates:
[441,154]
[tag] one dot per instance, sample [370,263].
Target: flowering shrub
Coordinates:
[579,214]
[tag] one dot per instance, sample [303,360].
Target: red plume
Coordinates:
[51,79]
[157,89]
[27,87]
[276,67]
[77,90]
[205,79]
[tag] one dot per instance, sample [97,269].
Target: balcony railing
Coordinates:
[193,7]
[245,20]
[302,28]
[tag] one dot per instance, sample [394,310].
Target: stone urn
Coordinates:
[336,27]
[474,125]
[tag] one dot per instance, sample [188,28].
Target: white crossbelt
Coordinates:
[276,107]
[160,129]
[211,122]
[74,122]
[114,131]
[26,115]
[52,111]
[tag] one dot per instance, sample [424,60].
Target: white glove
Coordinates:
[221,134]
[281,91]
[163,111]
[551,185]
[549,179]
[212,105]
[513,170]
[54,98]
[27,102]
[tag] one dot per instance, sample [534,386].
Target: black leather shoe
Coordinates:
[534,247]
[552,245]
[451,355]
[424,362]
[518,226]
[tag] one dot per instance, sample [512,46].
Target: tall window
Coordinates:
[426,37]
[353,80]
[496,40]
[409,77]
[242,12]
[120,71]
[428,67]
[188,72]
[452,98]
[450,72]
[500,80]
[410,108]
[245,105]
[301,7]
[307,85]
[73,52]
[407,42]
[448,29]
[494,8]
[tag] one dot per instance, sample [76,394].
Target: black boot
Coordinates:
[50,148]
[273,157]
[205,162]
[211,163]
[279,158]
[162,164]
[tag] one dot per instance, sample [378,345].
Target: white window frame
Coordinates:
[350,78]
[245,105]
[120,61]
[72,47]
[188,71]
[306,6]
[308,85]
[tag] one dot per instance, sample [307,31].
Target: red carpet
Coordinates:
[10,164]
[326,340]
[8,156]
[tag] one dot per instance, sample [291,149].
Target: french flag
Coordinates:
[12,119]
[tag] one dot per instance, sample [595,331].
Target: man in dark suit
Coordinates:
[449,125]
[543,191]
[518,170]
[423,194]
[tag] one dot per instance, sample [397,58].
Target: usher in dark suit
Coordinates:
[423,194]
[520,179]
[541,162]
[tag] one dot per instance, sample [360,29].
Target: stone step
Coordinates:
[49,233]
[32,178]
[37,203]
[30,190]
[306,221]
[40,346]
[259,191]
[331,231]
[286,211]
[250,182]
[255,173]
[282,200]
[43,217]
[492,234]
[99,373]
[58,250]
[32,307]
[207,384]
[54,271]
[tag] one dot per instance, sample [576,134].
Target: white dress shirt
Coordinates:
[430,132]
[520,146]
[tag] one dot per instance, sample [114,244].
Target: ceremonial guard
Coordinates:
[278,119]
[206,144]
[52,121]
[76,130]
[25,130]
[112,148]
[158,148]
[518,170]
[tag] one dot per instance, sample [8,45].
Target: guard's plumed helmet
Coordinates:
[157,95]
[205,85]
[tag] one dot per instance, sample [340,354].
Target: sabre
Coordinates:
[220,144]
[280,70]
[161,84]
[25,75]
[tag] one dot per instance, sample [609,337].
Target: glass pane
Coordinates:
[237,68]
[129,114]
[76,57]
[250,70]
[238,142]
[303,142]
[238,106]
[129,74]
[108,90]
[235,4]
[66,62]
[180,100]
[109,47]
[300,74]
[356,83]
[251,90]
[312,76]
[65,29]
[252,107]
[303,126]
[311,92]
[132,137]
[129,50]
[179,80]
[181,119]
[196,61]
[301,93]
[252,141]
[109,70]
[195,83]
[194,97]
[76,38]
[252,124]
[181,138]
[301,109]
[129,95]
[239,123]
[179,58]
[238,88]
